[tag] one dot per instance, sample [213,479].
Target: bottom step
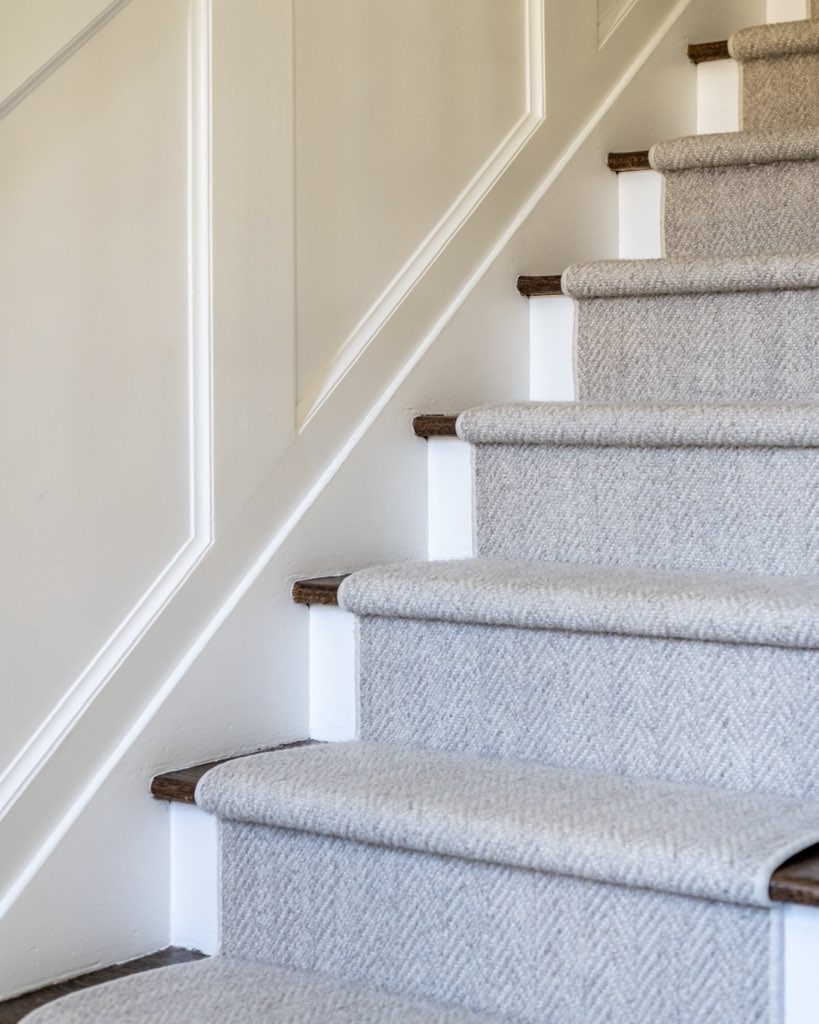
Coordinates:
[226,991]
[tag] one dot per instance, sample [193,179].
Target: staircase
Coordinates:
[584,753]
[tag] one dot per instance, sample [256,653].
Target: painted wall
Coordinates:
[242,242]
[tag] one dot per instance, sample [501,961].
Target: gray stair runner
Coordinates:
[729,329]
[748,192]
[707,678]
[583,753]
[489,883]
[222,990]
[780,74]
[724,487]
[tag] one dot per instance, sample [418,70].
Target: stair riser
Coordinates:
[490,938]
[740,210]
[731,715]
[730,347]
[732,509]
[781,93]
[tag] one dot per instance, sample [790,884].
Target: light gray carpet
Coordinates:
[690,840]
[722,714]
[780,74]
[593,599]
[721,487]
[747,346]
[221,990]
[727,329]
[640,425]
[730,509]
[536,948]
[742,192]
[635,279]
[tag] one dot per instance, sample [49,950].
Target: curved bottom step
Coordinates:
[222,990]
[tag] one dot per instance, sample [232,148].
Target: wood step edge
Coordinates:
[701,53]
[635,160]
[434,425]
[13,1010]
[179,786]
[318,590]
[529,286]
[797,881]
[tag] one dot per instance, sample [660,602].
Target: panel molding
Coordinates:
[610,15]
[65,53]
[324,383]
[81,694]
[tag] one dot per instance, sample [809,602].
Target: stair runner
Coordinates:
[584,752]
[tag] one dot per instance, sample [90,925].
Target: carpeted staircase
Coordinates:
[584,752]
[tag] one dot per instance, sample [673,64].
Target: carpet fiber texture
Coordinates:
[780,74]
[722,714]
[517,943]
[749,192]
[648,834]
[226,991]
[592,599]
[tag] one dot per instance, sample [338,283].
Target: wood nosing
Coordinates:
[548,284]
[701,53]
[797,880]
[318,590]
[13,1010]
[179,786]
[434,425]
[635,160]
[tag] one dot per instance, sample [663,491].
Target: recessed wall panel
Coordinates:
[398,108]
[94,403]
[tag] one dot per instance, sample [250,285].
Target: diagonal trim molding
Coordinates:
[65,53]
[353,347]
[84,690]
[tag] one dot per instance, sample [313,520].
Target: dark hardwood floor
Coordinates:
[13,1010]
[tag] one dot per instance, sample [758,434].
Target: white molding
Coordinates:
[65,53]
[356,344]
[93,679]
[614,13]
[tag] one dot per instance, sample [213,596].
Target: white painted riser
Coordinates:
[333,697]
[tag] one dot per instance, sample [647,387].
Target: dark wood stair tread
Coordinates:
[434,425]
[701,53]
[797,881]
[544,285]
[13,1010]
[319,590]
[179,786]
[636,160]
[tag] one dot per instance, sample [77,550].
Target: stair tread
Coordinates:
[701,53]
[681,275]
[548,284]
[660,424]
[672,837]
[726,149]
[720,607]
[223,990]
[783,39]
[179,785]
[634,160]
